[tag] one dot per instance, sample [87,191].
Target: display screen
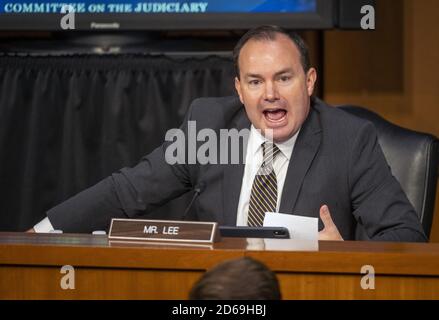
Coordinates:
[166,15]
[157,6]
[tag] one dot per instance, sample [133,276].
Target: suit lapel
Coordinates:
[306,148]
[233,174]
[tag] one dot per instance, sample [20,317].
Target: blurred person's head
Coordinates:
[274,80]
[238,279]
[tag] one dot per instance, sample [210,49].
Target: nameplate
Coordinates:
[163,230]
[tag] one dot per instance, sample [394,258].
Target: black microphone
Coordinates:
[197,191]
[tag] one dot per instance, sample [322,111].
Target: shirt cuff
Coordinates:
[44,226]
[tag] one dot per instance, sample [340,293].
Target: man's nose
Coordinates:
[271,93]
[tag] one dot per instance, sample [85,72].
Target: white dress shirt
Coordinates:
[253,162]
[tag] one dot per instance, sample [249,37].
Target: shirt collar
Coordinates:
[286,147]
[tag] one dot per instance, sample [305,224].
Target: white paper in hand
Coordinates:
[300,228]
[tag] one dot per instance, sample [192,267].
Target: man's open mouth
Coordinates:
[275,115]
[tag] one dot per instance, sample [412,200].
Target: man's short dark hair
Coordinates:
[269,33]
[238,279]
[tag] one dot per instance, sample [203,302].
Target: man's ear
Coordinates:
[238,89]
[311,78]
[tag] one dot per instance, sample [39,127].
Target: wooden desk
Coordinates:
[30,267]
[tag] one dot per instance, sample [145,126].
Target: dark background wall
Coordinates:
[66,122]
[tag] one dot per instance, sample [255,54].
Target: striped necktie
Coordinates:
[263,197]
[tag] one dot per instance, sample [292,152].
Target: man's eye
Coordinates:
[254,82]
[285,78]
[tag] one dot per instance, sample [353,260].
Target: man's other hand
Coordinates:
[330,231]
[32,230]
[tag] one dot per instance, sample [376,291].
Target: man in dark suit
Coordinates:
[321,161]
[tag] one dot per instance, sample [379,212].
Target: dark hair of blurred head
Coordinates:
[239,279]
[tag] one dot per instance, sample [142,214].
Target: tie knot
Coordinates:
[269,151]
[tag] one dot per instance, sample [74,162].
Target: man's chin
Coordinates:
[281,138]
[278,134]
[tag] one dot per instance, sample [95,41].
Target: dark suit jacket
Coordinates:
[336,161]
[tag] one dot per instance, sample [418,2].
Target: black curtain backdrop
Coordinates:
[66,122]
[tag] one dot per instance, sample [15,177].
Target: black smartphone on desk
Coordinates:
[254,232]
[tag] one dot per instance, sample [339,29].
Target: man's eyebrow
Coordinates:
[255,75]
[252,75]
[286,70]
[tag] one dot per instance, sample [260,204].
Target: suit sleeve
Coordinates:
[378,201]
[128,193]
